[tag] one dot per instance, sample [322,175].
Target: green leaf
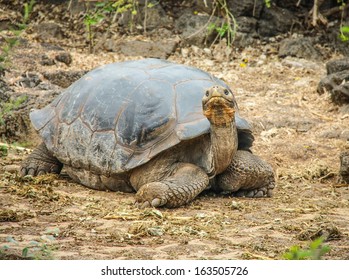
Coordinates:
[25,252]
[344,29]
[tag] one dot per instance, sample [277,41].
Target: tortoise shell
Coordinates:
[121,115]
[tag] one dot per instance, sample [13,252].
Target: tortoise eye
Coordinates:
[207,93]
[226,92]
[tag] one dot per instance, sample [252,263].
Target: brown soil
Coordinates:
[296,130]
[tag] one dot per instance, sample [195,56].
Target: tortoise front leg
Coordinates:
[39,162]
[247,175]
[183,185]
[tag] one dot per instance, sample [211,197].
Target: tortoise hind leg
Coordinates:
[184,183]
[247,175]
[39,162]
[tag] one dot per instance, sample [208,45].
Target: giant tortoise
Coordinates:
[165,130]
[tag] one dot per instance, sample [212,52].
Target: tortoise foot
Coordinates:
[152,195]
[40,162]
[255,193]
[247,176]
[182,186]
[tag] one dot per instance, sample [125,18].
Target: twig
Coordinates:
[334,10]
[341,185]
[315,12]
[9,146]
[328,175]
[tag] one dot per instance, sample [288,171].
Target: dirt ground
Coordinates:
[296,130]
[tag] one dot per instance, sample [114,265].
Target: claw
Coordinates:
[156,202]
[31,172]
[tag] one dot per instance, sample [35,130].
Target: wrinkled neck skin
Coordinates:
[224,144]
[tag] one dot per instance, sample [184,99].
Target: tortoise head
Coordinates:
[219,105]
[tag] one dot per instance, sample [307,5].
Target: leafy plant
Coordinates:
[102,9]
[89,21]
[40,251]
[227,29]
[12,41]
[315,251]
[344,33]
[267,3]
[3,151]
[10,106]
[343,29]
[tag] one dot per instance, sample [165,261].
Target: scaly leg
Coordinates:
[39,162]
[183,185]
[247,175]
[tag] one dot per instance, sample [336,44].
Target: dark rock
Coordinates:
[14,123]
[51,47]
[4,92]
[344,166]
[194,29]
[64,57]
[46,61]
[160,49]
[337,65]
[29,80]
[299,47]
[49,30]
[249,8]
[63,78]
[275,20]
[337,84]
[156,18]
[247,25]
[204,6]
[340,93]
[243,40]
[149,19]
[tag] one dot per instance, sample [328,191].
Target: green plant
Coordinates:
[12,41]
[38,251]
[227,28]
[102,9]
[315,251]
[267,3]
[3,151]
[13,104]
[343,29]
[90,20]
[122,6]
[146,7]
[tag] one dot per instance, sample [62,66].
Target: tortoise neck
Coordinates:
[224,144]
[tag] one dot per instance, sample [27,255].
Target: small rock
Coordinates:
[300,63]
[46,61]
[344,135]
[344,166]
[48,30]
[337,65]
[196,50]
[64,57]
[303,82]
[337,84]
[63,78]
[207,51]
[299,47]
[185,52]
[29,80]
[156,231]
[11,168]
[159,49]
